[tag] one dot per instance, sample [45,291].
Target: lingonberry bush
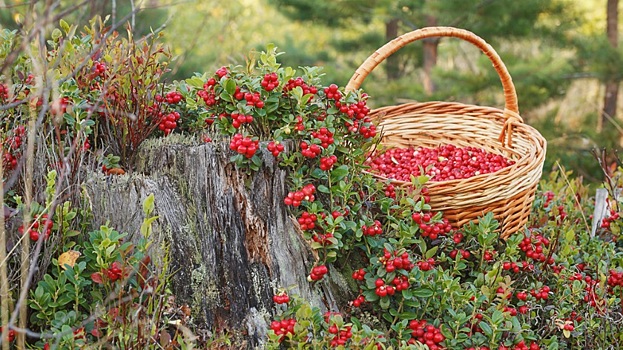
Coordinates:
[416,281]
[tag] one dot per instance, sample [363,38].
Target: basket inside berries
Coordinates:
[442,163]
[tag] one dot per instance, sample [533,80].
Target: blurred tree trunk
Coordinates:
[430,57]
[612,86]
[391,32]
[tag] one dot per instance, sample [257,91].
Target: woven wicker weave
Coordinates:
[509,192]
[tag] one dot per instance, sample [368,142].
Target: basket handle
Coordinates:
[511,109]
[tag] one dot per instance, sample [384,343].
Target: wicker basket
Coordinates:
[509,192]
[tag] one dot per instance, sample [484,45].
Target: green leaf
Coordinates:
[486,328]
[230,86]
[64,26]
[323,189]
[339,173]
[423,292]
[148,204]
[195,82]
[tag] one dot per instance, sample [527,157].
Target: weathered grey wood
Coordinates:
[231,239]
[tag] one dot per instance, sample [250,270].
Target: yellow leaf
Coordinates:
[68,258]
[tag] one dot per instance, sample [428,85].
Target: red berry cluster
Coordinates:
[254,99]
[307,221]
[542,293]
[317,273]
[426,265]
[462,253]
[359,300]
[390,191]
[298,81]
[426,334]
[169,122]
[615,279]
[40,226]
[533,247]
[324,136]
[207,94]
[281,298]
[443,163]
[10,334]
[4,92]
[515,267]
[238,119]
[270,81]
[14,143]
[431,229]
[549,196]
[114,272]
[332,92]
[283,327]
[310,151]
[323,239]
[275,148]
[396,261]
[372,230]
[359,275]
[605,222]
[244,145]
[99,69]
[522,346]
[340,336]
[173,97]
[383,290]
[326,163]
[401,283]
[221,72]
[300,126]
[305,194]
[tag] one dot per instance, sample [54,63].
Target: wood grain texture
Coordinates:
[231,239]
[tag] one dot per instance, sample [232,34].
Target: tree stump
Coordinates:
[231,240]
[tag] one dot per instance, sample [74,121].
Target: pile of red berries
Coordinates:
[270,81]
[443,163]
[323,239]
[317,273]
[359,275]
[281,298]
[390,191]
[244,145]
[426,333]
[169,122]
[340,336]
[522,346]
[12,152]
[283,327]
[305,194]
[275,148]
[293,83]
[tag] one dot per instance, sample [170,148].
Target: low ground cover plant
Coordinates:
[416,281]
